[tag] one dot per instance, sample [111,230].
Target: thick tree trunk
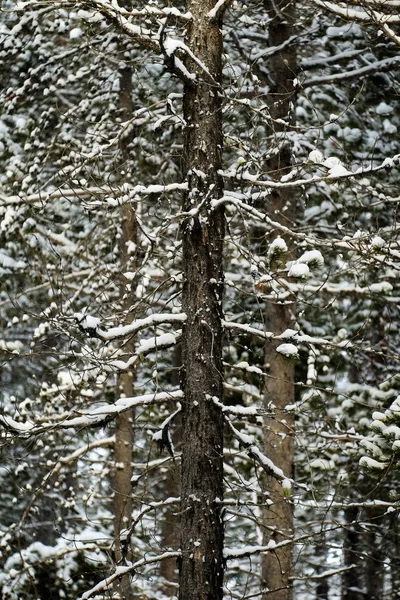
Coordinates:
[201,568]
[279,392]
[123,447]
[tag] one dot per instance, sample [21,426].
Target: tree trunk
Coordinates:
[279,392]
[170,522]
[202,530]
[352,584]
[123,447]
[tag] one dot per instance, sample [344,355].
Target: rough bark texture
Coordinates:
[352,584]
[279,392]
[123,447]
[201,568]
[170,522]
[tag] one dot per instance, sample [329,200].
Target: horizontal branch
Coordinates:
[376,67]
[90,324]
[119,572]
[90,418]
[352,14]
[289,334]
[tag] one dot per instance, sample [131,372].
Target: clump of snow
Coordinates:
[332,161]
[384,109]
[250,368]
[130,275]
[277,247]
[371,464]
[288,350]
[312,258]
[377,242]
[75,33]
[299,270]
[288,333]
[384,287]
[87,322]
[316,157]
[389,127]
[321,464]
[338,171]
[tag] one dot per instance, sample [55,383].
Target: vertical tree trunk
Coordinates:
[352,584]
[322,585]
[279,392]
[201,568]
[123,447]
[170,522]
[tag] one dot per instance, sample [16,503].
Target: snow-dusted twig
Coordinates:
[254,452]
[378,66]
[63,462]
[166,340]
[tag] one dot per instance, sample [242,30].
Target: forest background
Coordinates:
[199,300]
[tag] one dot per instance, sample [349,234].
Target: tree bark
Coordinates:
[202,530]
[123,447]
[170,521]
[279,390]
[352,583]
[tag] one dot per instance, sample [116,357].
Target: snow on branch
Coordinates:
[166,340]
[90,418]
[254,452]
[352,14]
[121,194]
[126,534]
[288,334]
[106,584]
[332,176]
[218,10]
[91,325]
[120,17]
[378,66]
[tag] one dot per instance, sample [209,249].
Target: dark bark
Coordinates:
[170,522]
[123,447]
[202,531]
[279,392]
[352,583]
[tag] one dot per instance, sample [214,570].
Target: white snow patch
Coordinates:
[299,270]
[384,109]
[289,350]
[75,33]
[316,157]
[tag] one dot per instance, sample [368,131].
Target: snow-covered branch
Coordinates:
[378,66]
[353,14]
[119,572]
[289,334]
[91,325]
[219,9]
[89,418]
[254,452]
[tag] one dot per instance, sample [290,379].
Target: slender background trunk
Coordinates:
[279,391]
[123,448]
[202,531]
